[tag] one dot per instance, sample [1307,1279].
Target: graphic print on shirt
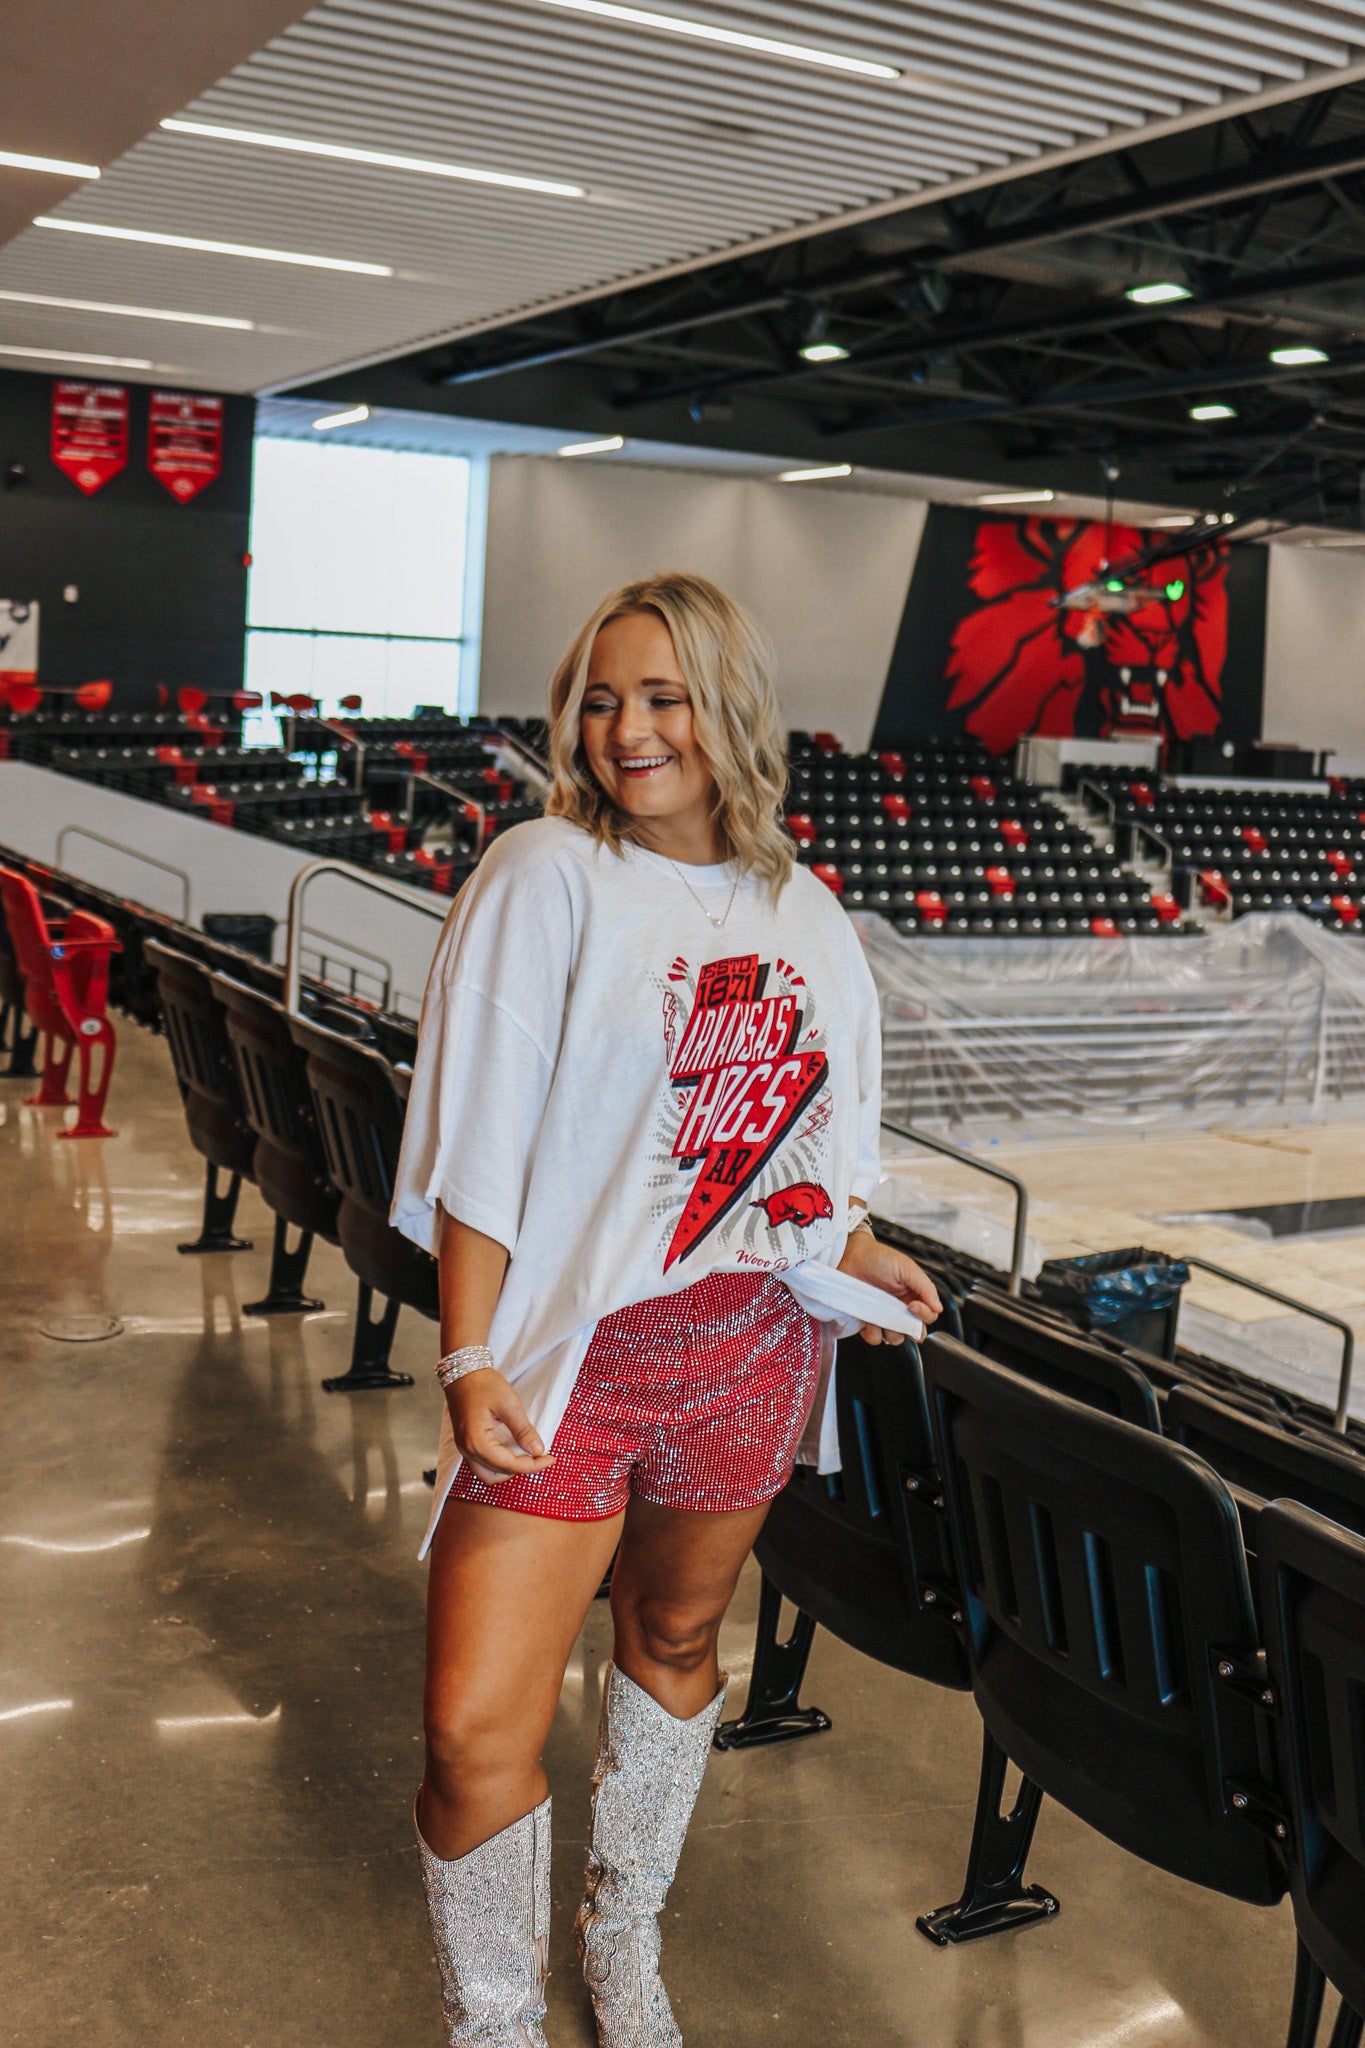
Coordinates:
[746,1061]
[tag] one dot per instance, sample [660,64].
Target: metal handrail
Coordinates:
[951,1151]
[133,853]
[1085,787]
[471,803]
[1318,1315]
[379,885]
[1150,832]
[363,952]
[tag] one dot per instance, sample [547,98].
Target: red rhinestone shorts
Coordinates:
[694,1400]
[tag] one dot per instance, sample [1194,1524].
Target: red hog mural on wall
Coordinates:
[1022,662]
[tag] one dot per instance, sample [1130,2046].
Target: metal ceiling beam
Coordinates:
[1279,168]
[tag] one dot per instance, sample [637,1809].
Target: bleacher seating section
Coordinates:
[1076,1531]
[1237,850]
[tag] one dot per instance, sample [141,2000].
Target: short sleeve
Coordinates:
[867,1026]
[488,1043]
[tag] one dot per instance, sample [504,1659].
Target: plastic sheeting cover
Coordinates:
[1262,1017]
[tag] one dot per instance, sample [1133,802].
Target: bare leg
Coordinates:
[674,1579]
[505,1601]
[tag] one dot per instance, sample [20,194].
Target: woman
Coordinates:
[641,1137]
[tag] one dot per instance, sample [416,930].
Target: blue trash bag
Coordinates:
[1108,1287]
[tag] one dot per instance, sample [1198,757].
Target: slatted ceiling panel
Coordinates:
[688,150]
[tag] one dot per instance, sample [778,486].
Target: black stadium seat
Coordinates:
[214,1113]
[1058,1357]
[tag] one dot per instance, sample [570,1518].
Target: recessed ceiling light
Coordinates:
[1217,411]
[1163,294]
[1289,358]
[350,418]
[71,355]
[15,160]
[735,39]
[1015,498]
[129,312]
[1176,519]
[383,159]
[607,446]
[158,241]
[811,476]
[823,352]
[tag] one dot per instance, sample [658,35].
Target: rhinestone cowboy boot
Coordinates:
[645,1783]
[490,1920]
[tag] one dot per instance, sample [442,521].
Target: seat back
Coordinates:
[359,1112]
[1263,1459]
[272,1075]
[28,933]
[196,1032]
[1104,1584]
[1058,1356]
[864,1551]
[1312,1577]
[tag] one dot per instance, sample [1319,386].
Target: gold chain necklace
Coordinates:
[718,922]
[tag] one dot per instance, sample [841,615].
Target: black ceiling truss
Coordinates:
[1005,310]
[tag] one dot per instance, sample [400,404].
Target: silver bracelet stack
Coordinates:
[469,1358]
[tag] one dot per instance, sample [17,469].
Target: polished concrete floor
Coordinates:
[210,1650]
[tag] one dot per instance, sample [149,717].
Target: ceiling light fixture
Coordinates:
[382,159]
[351,418]
[823,352]
[1173,519]
[1291,358]
[15,160]
[734,39]
[72,355]
[1217,411]
[608,446]
[159,241]
[1015,498]
[1165,293]
[812,476]
[130,312]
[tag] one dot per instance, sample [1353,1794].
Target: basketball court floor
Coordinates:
[211,1653]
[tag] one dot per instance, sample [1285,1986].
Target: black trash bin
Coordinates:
[1133,1295]
[250,930]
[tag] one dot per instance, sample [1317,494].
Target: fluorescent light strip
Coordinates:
[71,355]
[158,241]
[1016,498]
[608,446]
[15,160]
[352,418]
[1175,519]
[130,312]
[1166,294]
[383,159]
[1290,358]
[734,39]
[823,352]
[811,476]
[37,1707]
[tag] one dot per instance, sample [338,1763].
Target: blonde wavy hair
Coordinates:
[727,663]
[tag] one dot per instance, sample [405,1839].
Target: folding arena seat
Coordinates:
[66,990]
[359,1100]
[18,1033]
[1263,1458]
[1109,1625]
[1312,1585]
[1056,1355]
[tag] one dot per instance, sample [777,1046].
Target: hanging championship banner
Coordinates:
[89,432]
[184,441]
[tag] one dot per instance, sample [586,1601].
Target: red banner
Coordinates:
[185,441]
[89,432]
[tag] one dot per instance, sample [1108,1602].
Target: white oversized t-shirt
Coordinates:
[629,1098]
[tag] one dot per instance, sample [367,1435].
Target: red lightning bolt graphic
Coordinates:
[747,1088]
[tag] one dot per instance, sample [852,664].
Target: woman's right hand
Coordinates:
[492,1429]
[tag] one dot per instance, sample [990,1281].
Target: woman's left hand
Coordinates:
[881,1265]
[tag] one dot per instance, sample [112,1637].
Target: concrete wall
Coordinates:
[225,871]
[1315,650]
[825,570]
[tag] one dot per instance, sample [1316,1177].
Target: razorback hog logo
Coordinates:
[801,1204]
[745,1086]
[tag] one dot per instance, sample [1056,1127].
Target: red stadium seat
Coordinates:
[66,988]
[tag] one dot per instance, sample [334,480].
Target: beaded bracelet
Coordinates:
[469,1358]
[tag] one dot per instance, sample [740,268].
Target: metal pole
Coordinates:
[951,1151]
[147,859]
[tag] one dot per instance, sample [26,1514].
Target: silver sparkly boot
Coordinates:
[645,1783]
[490,1918]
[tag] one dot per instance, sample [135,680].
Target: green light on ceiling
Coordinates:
[1175,590]
[1114,583]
